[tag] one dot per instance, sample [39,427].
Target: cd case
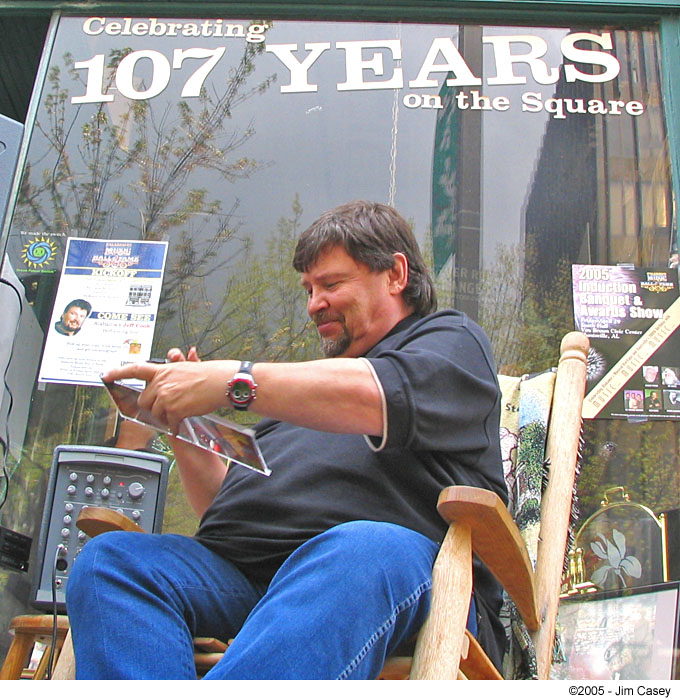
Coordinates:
[216,435]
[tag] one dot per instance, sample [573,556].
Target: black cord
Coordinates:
[5,442]
[5,473]
[61,549]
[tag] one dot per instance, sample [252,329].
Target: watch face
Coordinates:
[240,391]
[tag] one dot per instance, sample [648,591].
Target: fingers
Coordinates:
[145,371]
[176,355]
[175,389]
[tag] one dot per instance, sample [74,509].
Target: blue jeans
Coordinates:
[337,607]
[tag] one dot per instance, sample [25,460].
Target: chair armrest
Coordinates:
[496,540]
[94,520]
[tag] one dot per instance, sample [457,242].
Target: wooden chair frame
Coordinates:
[478,522]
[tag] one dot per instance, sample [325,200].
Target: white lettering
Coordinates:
[531,102]
[597,58]
[412,101]
[94,81]
[87,25]
[505,60]
[455,64]
[191,29]
[555,107]
[559,107]
[160,75]
[156,28]
[298,70]
[113,28]
[256,32]
[636,312]
[355,65]
[432,102]
[192,87]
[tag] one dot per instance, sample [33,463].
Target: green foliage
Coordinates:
[178,518]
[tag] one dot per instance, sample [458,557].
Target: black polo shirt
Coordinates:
[442,427]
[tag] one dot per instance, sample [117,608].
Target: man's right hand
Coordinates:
[179,389]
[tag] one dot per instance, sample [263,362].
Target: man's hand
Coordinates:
[179,389]
[338,395]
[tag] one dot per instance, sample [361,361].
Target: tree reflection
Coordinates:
[136,169]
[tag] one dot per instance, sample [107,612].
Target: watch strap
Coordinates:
[243,379]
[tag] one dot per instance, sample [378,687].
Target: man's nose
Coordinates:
[316,302]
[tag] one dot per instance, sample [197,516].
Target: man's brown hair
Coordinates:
[370,233]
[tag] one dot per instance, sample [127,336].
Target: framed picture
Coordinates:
[630,634]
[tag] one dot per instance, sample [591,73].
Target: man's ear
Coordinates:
[398,277]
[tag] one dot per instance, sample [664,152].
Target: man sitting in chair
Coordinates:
[323,569]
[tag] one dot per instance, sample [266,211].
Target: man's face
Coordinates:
[72,319]
[351,305]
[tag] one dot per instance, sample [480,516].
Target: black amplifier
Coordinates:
[131,482]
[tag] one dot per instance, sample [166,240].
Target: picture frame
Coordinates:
[630,634]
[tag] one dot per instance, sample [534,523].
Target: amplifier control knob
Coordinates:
[90,478]
[65,532]
[68,507]
[73,476]
[71,489]
[136,490]
[89,491]
[107,480]
[68,520]
[105,493]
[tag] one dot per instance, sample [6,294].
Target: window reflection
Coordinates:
[506,186]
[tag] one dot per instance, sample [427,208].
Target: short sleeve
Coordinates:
[439,387]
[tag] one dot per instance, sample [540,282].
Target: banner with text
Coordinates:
[631,316]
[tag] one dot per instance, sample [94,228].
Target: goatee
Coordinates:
[333,347]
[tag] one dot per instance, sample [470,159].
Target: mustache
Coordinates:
[326,317]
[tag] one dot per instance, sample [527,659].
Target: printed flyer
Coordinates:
[105,309]
[631,316]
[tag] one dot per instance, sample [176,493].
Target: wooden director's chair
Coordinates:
[540,432]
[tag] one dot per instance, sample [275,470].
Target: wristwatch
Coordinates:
[241,388]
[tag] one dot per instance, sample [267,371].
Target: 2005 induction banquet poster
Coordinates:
[631,316]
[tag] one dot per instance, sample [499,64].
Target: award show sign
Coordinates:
[631,316]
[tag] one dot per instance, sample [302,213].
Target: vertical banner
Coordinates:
[444,160]
[631,316]
[105,309]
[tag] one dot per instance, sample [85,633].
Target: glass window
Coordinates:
[514,152]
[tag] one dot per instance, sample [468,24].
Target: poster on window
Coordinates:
[619,637]
[105,309]
[631,316]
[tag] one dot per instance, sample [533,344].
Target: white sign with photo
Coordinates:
[105,309]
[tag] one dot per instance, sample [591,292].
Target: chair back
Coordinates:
[540,438]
